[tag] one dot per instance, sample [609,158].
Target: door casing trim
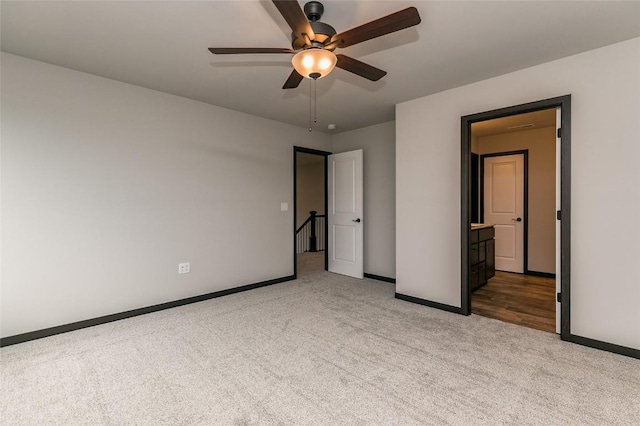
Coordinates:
[564,103]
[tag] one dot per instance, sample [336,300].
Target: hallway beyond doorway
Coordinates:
[310,263]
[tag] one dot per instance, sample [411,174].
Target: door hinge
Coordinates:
[559,215]
[559,132]
[559,297]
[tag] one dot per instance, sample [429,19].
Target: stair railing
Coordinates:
[310,235]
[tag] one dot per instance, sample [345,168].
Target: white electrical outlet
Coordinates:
[184,268]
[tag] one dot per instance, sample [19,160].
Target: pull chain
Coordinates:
[310,83]
[312,102]
[315,101]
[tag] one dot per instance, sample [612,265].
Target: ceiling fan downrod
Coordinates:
[313,10]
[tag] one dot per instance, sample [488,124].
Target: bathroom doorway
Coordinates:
[530,298]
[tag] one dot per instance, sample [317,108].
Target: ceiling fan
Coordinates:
[313,41]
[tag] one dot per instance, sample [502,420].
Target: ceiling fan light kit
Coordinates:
[314,63]
[313,42]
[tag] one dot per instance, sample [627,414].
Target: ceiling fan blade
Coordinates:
[360,68]
[234,50]
[293,81]
[295,17]
[391,23]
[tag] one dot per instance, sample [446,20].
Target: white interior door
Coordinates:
[558,208]
[504,207]
[344,218]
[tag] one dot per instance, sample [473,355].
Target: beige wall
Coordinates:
[474,145]
[309,185]
[541,145]
[107,186]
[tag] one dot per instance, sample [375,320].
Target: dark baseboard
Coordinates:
[429,303]
[604,346]
[39,334]
[380,278]
[540,274]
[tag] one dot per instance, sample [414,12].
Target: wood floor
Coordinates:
[519,299]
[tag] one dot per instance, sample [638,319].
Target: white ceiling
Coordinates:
[162,45]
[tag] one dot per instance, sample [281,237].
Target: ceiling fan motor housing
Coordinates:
[323,32]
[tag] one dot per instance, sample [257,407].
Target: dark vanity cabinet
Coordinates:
[482,256]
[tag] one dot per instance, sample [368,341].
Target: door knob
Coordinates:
[518,219]
[356,220]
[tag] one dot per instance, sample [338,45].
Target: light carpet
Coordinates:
[324,349]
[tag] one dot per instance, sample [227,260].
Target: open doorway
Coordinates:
[310,207]
[517,196]
[511,237]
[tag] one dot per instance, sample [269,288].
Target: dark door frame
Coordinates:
[325,154]
[525,219]
[475,188]
[564,102]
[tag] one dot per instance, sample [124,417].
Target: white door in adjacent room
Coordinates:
[346,242]
[504,207]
